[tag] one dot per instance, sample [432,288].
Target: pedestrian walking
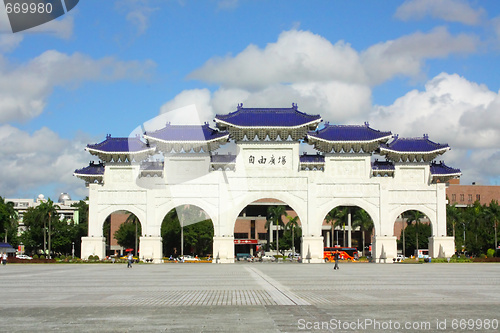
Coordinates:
[130,258]
[336,260]
[4,258]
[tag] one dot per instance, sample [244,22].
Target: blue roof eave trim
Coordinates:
[414,152]
[120,152]
[293,126]
[226,136]
[387,137]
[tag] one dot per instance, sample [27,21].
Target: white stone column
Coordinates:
[441,246]
[312,249]
[93,246]
[223,247]
[384,249]
[151,248]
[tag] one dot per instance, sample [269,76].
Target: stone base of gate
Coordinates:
[385,249]
[312,250]
[95,246]
[151,248]
[443,247]
[223,250]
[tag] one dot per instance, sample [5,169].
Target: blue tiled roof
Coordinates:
[187,133]
[120,145]
[267,117]
[305,158]
[92,169]
[349,133]
[423,145]
[382,165]
[223,158]
[442,169]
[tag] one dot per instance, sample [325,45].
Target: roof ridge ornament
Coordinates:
[294,106]
[426,136]
[108,136]
[367,124]
[240,106]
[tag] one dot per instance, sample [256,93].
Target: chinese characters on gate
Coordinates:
[280,160]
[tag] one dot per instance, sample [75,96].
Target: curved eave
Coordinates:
[437,151]
[452,175]
[87,175]
[317,121]
[221,138]
[349,142]
[144,151]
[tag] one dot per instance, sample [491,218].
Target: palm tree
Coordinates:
[414,216]
[453,216]
[291,225]
[48,212]
[334,218]
[493,214]
[362,220]
[274,214]
[133,219]
[7,216]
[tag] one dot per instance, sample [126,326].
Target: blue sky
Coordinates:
[411,67]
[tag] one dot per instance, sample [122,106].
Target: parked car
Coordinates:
[23,256]
[189,258]
[244,256]
[268,258]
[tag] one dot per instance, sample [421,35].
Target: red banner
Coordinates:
[246,241]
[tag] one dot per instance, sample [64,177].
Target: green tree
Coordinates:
[424,232]
[453,217]
[492,214]
[415,216]
[127,235]
[48,214]
[292,224]
[274,217]
[362,220]
[335,218]
[8,222]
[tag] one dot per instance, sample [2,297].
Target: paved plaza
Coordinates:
[249,297]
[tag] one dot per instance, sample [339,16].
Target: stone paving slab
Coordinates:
[245,297]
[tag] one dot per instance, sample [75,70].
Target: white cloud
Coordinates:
[405,56]
[32,160]
[303,57]
[448,10]
[297,56]
[24,89]
[452,110]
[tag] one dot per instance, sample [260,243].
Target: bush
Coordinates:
[490,253]
[62,257]
[482,256]
[35,256]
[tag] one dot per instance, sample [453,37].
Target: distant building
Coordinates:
[65,211]
[465,195]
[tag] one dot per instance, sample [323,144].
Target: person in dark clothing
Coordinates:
[336,261]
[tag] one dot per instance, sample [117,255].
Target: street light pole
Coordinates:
[73,250]
[49,234]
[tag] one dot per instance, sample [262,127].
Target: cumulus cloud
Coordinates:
[32,160]
[451,110]
[297,56]
[25,88]
[301,57]
[405,56]
[448,10]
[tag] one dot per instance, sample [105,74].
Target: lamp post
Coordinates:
[49,234]
[73,250]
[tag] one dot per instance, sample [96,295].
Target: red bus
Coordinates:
[345,253]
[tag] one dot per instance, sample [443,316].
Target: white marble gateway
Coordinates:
[267,164]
